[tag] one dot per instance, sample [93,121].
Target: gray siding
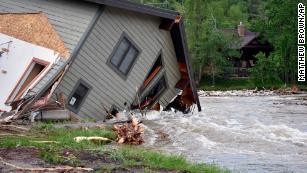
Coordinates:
[69,18]
[107,87]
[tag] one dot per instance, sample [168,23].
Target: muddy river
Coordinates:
[245,134]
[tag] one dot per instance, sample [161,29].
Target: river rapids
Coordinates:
[244,134]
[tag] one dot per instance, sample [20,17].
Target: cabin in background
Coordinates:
[123,55]
[250,44]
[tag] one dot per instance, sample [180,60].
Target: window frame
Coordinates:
[123,36]
[153,84]
[160,53]
[16,92]
[80,81]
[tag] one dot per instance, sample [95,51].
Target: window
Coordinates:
[152,95]
[78,96]
[157,66]
[124,55]
[156,90]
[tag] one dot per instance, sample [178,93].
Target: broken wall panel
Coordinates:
[108,88]
[15,63]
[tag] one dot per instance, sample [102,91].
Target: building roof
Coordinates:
[136,7]
[33,28]
[246,39]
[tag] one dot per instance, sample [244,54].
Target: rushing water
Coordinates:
[245,134]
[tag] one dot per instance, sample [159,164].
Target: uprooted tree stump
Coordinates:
[129,133]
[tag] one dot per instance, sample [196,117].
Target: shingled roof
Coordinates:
[245,40]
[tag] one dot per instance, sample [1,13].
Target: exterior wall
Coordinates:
[69,18]
[107,87]
[16,61]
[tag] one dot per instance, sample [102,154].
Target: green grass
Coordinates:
[140,157]
[63,137]
[123,156]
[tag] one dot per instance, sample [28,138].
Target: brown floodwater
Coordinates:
[245,134]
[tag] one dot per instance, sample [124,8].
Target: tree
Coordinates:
[208,45]
[278,23]
[265,72]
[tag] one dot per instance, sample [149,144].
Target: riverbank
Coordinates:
[240,84]
[44,146]
[249,93]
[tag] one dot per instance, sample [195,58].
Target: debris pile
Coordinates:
[129,132]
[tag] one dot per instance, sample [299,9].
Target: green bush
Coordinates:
[266,71]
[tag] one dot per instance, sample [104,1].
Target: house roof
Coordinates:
[246,39]
[33,28]
[136,7]
[177,32]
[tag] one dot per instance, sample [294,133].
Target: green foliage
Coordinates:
[208,45]
[266,70]
[278,23]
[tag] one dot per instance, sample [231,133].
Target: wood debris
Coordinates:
[94,139]
[55,169]
[129,132]
[46,142]
[13,128]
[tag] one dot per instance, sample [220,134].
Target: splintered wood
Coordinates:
[33,28]
[129,133]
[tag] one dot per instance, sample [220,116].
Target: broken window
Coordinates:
[78,96]
[156,90]
[153,72]
[123,56]
[152,95]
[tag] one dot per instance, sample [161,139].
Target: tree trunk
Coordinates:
[200,75]
[212,74]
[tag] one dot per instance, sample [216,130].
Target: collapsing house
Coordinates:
[122,55]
